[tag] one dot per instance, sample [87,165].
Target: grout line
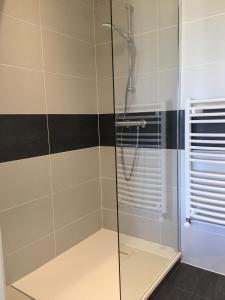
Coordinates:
[203,18]
[106,78]
[49,194]
[106,3]
[98,111]
[38,26]
[25,203]
[47,72]
[202,64]
[108,178]
[98,79]
[156,215]
[29,244]
[76,185]
[67,35]
[19,19]
[136,35]
[140,74]
[79,219]
[21,67]
[110,209]
[48,131]
[70,75]
[53,232]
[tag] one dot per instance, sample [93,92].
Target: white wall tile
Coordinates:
[168,48]
[69,56]
[201,82]
[168,12]
[26,224]
[69,236]
[195,9]
[202,42]
[140,227]
[26,10]
[70,95]
[68,17]
[27,94]
[27,259]
[22,39]
[24,181]
[76,202]
[110,219]
[74,167]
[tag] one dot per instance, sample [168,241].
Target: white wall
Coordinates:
[203,76]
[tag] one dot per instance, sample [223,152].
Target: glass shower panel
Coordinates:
[145,61]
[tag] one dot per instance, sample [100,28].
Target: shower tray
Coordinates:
[91,268]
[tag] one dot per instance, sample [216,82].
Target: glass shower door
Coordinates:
[145,61]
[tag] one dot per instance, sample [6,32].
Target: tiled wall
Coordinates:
[55,77]
[49,171]
[106,110]
[156,72]
[203,70]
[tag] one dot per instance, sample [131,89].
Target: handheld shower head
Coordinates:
[117,29]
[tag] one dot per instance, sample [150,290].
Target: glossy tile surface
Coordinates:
[71,132]
[26,10]
[27,94]
[68,17]
[23,37]
[23,136]
[70,95]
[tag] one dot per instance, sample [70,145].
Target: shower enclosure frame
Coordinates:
[179,255]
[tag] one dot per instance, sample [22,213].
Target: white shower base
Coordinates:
[90,270]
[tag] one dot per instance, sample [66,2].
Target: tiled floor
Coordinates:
[191,283]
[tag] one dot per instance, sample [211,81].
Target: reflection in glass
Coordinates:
[145,79]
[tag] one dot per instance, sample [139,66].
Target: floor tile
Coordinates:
[196,297]
[188,282]
[207,283]
[219,291]
[185,277]
[168,292]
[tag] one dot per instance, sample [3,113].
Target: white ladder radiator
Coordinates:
[205,160]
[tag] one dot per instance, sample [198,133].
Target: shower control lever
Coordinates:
[141,123]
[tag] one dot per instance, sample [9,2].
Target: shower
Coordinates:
[130,88]
[118,29]
[82,214]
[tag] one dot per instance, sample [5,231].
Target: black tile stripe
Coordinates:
[72,132]
[167,125]
[23,136]
[181,126]
[107,129]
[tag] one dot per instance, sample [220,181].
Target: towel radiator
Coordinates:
[205,160]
